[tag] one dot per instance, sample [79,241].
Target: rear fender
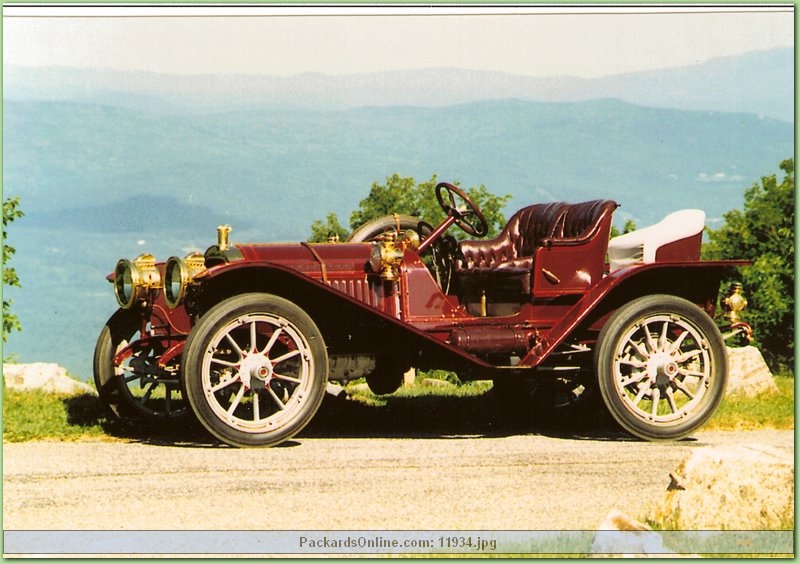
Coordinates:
[697,282]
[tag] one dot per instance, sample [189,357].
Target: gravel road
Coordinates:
[527,481]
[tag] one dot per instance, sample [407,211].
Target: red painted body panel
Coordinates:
[415,302]
[312,259]
[571,294]
[687,249]
[342,267]
[596,295]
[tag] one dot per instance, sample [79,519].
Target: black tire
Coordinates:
[233,385]
[380,225]
[135,389]
[661,366]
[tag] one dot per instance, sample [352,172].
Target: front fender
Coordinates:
[349,325]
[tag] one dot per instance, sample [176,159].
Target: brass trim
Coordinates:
[551,277]
[734,303]
[389,256]
[222,236]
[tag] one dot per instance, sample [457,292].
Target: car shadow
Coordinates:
[421,417]
[455,417]
[87,411]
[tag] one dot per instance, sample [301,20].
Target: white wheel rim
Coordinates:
[662,369]
[257,373]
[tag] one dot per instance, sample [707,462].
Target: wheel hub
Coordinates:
[255,371]
[662,369]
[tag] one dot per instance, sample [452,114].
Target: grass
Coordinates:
[38,415]
[430,407]
[764,411]
[423,387]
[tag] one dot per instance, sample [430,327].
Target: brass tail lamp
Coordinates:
[733,304]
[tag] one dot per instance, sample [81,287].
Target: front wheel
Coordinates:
[130,381]
[255,370]
[661,367]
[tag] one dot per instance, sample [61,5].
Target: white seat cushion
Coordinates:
[640,246]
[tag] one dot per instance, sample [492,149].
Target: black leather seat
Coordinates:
[503,267]
[511,252]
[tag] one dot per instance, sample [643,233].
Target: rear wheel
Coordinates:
[661,367]
[255,370]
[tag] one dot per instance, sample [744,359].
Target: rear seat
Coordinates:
[677,237]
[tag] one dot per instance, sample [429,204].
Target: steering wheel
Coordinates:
[467,216]
[442,256]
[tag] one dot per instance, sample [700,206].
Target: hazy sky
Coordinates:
[333,40]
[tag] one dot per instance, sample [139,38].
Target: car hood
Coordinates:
[309,257]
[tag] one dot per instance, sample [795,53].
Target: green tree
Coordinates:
[11,211]
[404,196]
[322,231]
[763,232]
[629,226]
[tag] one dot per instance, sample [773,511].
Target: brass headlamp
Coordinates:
[134,280]
[178,274]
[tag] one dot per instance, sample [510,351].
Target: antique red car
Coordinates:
[247,336]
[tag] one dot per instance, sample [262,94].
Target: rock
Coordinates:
[743,487]
[43,376]
[361,388]
[335,390]
[437,383]
[619,535]
[748,373]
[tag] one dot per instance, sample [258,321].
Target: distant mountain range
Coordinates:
[76,163]
[760,82]
[110,165]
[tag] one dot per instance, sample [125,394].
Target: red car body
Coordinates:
[539,306]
